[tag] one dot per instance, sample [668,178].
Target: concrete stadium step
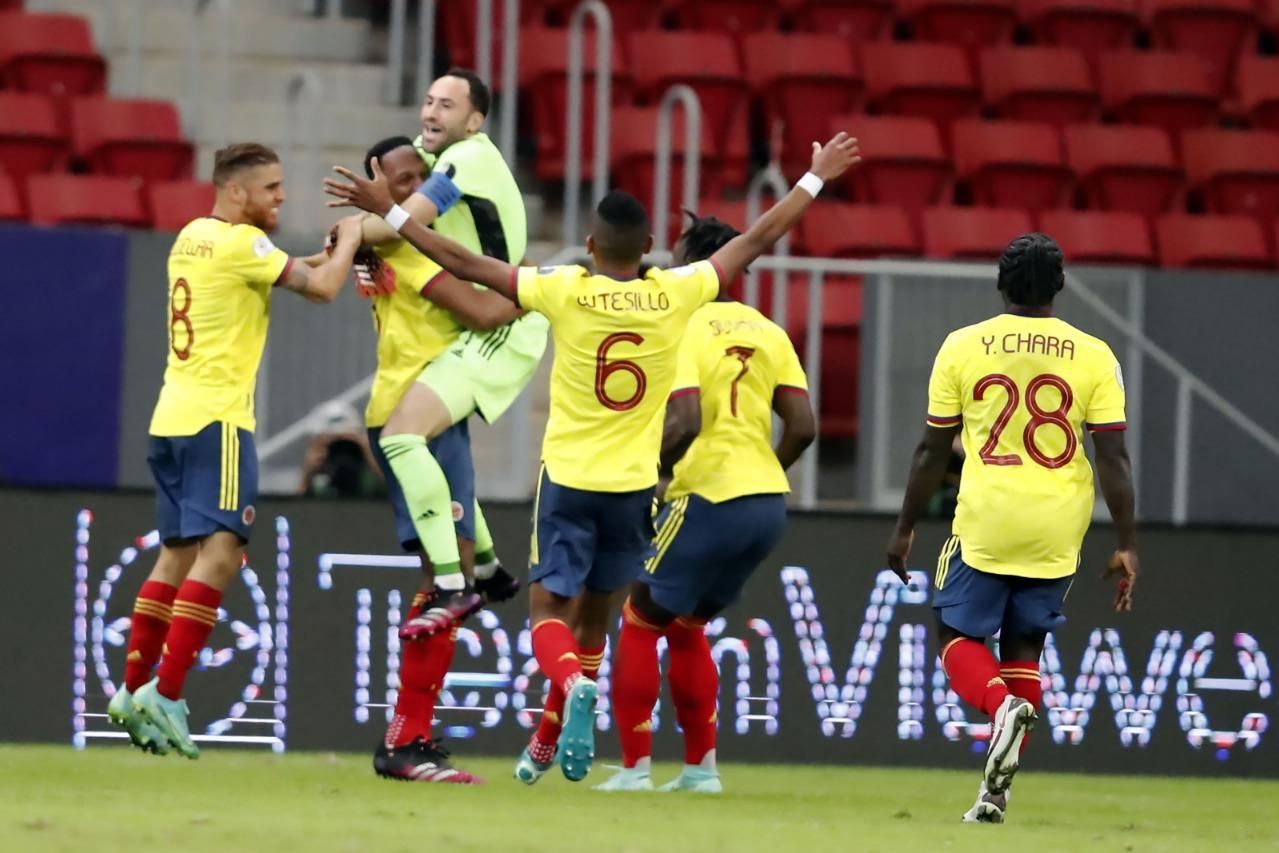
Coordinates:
[167,76]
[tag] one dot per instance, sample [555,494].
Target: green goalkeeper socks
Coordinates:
[485,556]
[426,492]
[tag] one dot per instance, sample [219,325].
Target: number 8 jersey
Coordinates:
[220,280]
[616,347]
[1024,389]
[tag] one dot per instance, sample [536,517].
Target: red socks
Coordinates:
[195,612]
[694,687]
[636,684]
[152,613]
[548,728]
[557,653]
[1023,680]
[423,666]
[974,674]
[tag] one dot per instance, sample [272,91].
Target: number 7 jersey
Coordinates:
[616,346]
[1024,389]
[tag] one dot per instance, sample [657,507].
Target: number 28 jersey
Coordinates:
[220,280]
[1024,389]
[616,347]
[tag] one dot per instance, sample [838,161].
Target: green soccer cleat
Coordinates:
[698,780]
[169,716]
[142,734]
[529,771]
[628,779]
[577,738]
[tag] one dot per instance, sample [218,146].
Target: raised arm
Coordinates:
[319,280]
[1114,472]
[477,310]
[829,162]
[799,427]
[375,230]
[927,469]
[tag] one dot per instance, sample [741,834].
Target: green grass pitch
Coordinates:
[111,798]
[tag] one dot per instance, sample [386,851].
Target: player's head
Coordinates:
[703,237]
[1031,271]
[404,170]
[620,231]
[455,108]
[250,184]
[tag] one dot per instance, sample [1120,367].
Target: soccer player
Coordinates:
[1022,386]
[725,512]
[472,198]
[221,271]
[616,339]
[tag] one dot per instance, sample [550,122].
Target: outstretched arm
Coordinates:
[477,310]
[927,470]
[321,282]
[1114,471]
[375,230]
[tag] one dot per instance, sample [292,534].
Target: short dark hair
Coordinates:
[481,100]
[1031,270]
[621,229]
[381,149]
[704,236]
[238,157]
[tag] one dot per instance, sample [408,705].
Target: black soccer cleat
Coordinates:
[498,587]
[420,760]
[446,610]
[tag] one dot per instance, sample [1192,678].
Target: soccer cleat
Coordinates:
[989,808]
[1014,719]
[698,780]
[577,737]
[628,779]
[142,734]
[498,587]
[169,716]
[420,760]
[529,771]
[444,612]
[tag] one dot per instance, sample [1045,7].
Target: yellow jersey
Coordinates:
[1025,388]
[220,280]
[737,359]
[616,344]
[411,329]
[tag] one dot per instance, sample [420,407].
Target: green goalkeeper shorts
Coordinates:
[485,371]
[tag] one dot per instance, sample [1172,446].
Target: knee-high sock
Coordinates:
[423,666]
[547,735]
[1023,679]
[152,613]
[195,612]
[485,555]
[557,653]
[974,674]
[426,492]
[636,684]
[694,687]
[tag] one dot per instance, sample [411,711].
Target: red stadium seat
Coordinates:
[801,80]
[49,53]
[705,61]
[1095,237]
[1258,84]
[1012,163]
[86,200]
[10,201]
[633,160]
[1039,84]
[457,24]
[30,139]
[930,80]
[838,230]
[974,233]
[856,20]
[1237,171]
[903,160]
[544,79]
[970,23]
[1092,26]
[729,16]
[1173,90]
[1218,31]
[175,203]
[841,347]
[131,137]
[1124,168]
[1221,242]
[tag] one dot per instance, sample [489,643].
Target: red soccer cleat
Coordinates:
[420,760]
[442,613]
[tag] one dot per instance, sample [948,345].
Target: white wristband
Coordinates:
[810,184]
[396,217]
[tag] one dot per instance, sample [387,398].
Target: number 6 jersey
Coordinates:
[616,344]
[1024,389]
[220,280]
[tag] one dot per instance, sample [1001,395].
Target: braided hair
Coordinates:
[1031,270]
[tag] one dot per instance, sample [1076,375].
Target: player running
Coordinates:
[472,198]
[222,268]
[725,512]
[1022,386]
[616,339]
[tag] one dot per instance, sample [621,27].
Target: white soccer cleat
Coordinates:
[1014,719]
[628,779]
[989,808]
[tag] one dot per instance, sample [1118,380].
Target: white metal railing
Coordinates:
[304,99]
[770,178]
[395,51]
[425,49]
[603,76]
[197,72]
[509,108]
[681,95]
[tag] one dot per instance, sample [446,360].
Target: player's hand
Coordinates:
[835,157]
[371,195]
[1126,565]
[373,277]
[899,552]
[349,231]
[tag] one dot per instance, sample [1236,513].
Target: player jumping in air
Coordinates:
[725,512]
[616,340]
[221,271]
[1023,386]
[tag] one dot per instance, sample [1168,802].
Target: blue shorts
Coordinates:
[596,540]
[452,449]
[979,604]
[204,482]
[705,552]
